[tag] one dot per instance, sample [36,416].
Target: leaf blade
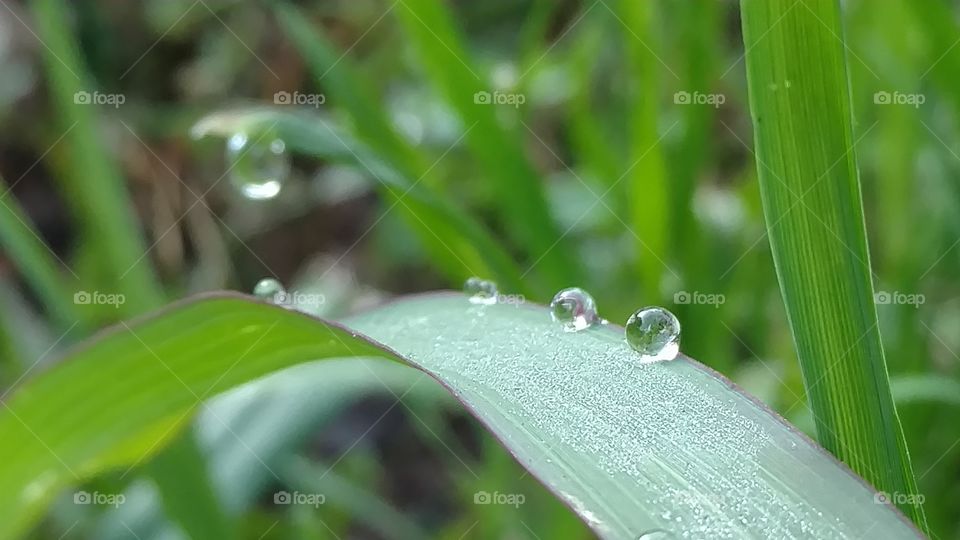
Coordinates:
[599,431]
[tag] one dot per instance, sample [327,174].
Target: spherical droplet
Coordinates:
[258,165]
[653,332]
[574,308]
[270,290]
[481,291]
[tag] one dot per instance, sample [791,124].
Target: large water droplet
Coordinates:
[656,534]
[270,290]
[481,291]
[258,166]
[575,308]
[654,332]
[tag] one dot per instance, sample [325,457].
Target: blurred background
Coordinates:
[357,150]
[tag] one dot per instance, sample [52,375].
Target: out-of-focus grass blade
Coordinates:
[461,245]
[335,72]
[181,475]
[620,443]
[800,103]
[311,477]
[648,192]
[36,261]
[926,388]
[499,151]
[95,187]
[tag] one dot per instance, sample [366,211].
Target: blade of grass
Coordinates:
[94,187]
[370,509]
[800,103]
[620,444]
[183,481]
[334,71]
[647,188]
[37,263]
[499,151]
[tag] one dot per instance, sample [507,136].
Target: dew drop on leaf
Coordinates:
[270,290]
[653,332]
[257,166]
[574,308]
[481,291]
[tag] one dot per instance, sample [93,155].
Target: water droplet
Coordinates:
[258,166]
[654,332]
[481,291]
[656,534]
[575,308]
[270,290]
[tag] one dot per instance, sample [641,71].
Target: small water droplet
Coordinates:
[575,308]
[258,166]
[481,291]
[270,290]
[654,332]
[656,534]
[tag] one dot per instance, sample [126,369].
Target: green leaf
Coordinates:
[800,103]
[630,448]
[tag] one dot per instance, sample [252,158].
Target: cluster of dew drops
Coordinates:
[652,331]
[259,168]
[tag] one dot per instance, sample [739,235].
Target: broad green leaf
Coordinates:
[630,448]
[246,445]
[806,159]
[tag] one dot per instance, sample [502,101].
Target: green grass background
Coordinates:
[603,178]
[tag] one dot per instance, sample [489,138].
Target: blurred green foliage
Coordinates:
[618,173]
